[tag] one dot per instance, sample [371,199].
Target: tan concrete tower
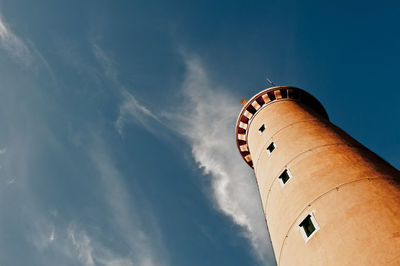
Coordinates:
[327,199]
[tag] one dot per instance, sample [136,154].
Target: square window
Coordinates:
[261,129]
[285,176]
[308,227]
[271,148]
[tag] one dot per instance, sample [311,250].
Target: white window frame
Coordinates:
[316,226]
[269,152]
[290,177]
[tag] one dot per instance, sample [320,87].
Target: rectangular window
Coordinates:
[261,129]
[285,176]
[271,148]
[308,227]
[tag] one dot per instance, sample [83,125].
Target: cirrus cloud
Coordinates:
[13,45]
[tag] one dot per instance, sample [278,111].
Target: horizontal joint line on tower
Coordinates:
[322,195]
[281,129]
[299,155]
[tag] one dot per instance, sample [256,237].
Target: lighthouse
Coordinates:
[327,199]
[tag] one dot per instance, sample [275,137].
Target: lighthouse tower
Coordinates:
[327,199]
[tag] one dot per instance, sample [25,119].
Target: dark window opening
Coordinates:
[285,176]
[261,129]
[260,101]
[271,95]
[284,93]
[307,225]
[271,147]
[251,109]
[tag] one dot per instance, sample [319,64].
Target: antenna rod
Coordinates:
[270,82]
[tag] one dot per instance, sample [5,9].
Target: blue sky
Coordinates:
[117,143]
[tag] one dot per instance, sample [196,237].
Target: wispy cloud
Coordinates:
[131,110]
[82,245]
[105,61]
[91,253]
[206,120]
[67,241]
[208,125]
[23,50]
[74,245]
[147,249]
[13,45]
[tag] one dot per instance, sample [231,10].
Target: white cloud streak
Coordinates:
[74,246]
[61,240]
[106,63]
[82,244]
[208,124]
[132,110]
[73,243]
[91,253]
[13,45]
[207,121]
[146,250]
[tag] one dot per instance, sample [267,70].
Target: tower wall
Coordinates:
[352,194]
